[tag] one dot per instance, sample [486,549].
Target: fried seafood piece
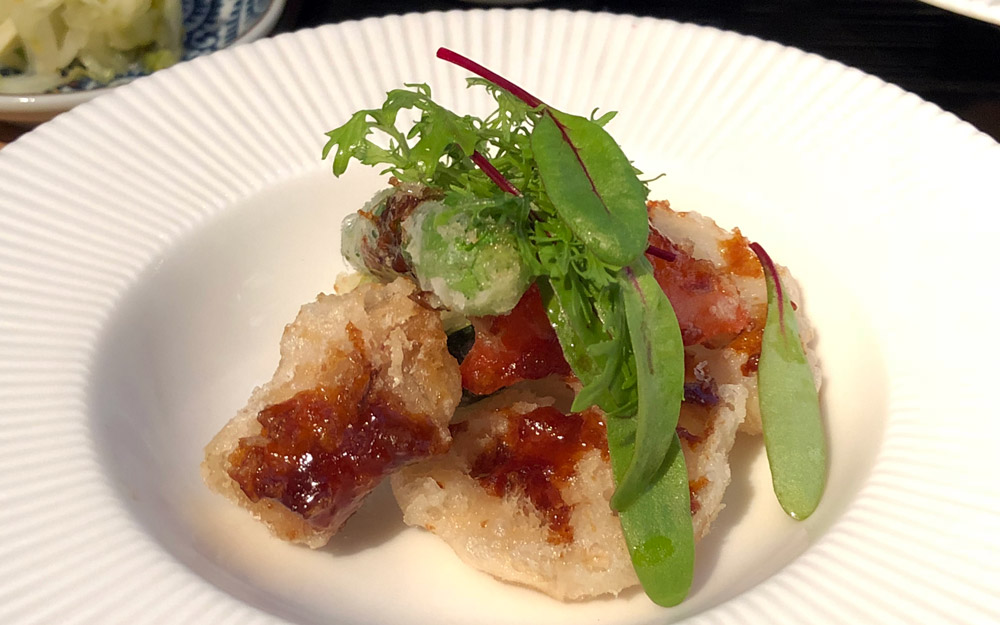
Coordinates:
[365,386]
[716,286]
[523,494]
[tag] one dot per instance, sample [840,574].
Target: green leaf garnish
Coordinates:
[659,356]
[416,155]
[592,185]
[595,344]
[656,523]
[789,404]
[657,526]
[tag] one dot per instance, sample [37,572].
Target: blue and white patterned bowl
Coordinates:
[209,25]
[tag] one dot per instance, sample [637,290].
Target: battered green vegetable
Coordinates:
[472,262]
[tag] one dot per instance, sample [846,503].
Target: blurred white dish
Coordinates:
[985,10]
[155,242]
[209,25]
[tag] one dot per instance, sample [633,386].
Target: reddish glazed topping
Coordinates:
[707,304]
[520,345]
[748,342]
[537,456]
[322,451]
[739,258]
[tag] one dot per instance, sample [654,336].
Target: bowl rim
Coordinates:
[33,108]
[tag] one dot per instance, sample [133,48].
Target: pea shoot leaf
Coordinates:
[789,404]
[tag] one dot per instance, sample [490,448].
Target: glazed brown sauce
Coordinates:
[322,451]
[749,342]
[739,258]
[693,487]
[706,302]
[537,456]
[520,345]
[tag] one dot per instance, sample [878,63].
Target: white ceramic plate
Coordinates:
[155,241]
[985,10]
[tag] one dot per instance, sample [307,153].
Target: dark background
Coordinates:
[948,59]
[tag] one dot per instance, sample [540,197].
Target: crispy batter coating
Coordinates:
[510,536]
[734,360]
[366,389]
[718,282]
[365,385]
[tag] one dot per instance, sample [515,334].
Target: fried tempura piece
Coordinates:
[731,358]
[504,500]
[710,434]
[365,385]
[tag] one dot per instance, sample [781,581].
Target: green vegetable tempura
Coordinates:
[473,265]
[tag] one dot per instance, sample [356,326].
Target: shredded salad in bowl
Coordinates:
[46,44]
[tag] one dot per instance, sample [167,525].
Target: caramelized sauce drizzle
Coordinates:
[537,456]
[699,293]
[323,450]
[387,249]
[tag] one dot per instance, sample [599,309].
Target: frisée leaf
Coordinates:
[439,133]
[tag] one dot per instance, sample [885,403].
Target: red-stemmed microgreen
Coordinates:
[794,437]
[468,64]
[587,176]
[771,271]
[661,253]
[494,174]
[659,353]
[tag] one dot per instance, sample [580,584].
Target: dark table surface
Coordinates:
[948,59]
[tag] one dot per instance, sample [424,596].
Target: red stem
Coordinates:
[494,174]
[498,80]
[769,267]
[652,250]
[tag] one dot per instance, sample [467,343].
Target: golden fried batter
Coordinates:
[365,385]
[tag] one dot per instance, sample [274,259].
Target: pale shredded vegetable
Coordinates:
[45,44]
